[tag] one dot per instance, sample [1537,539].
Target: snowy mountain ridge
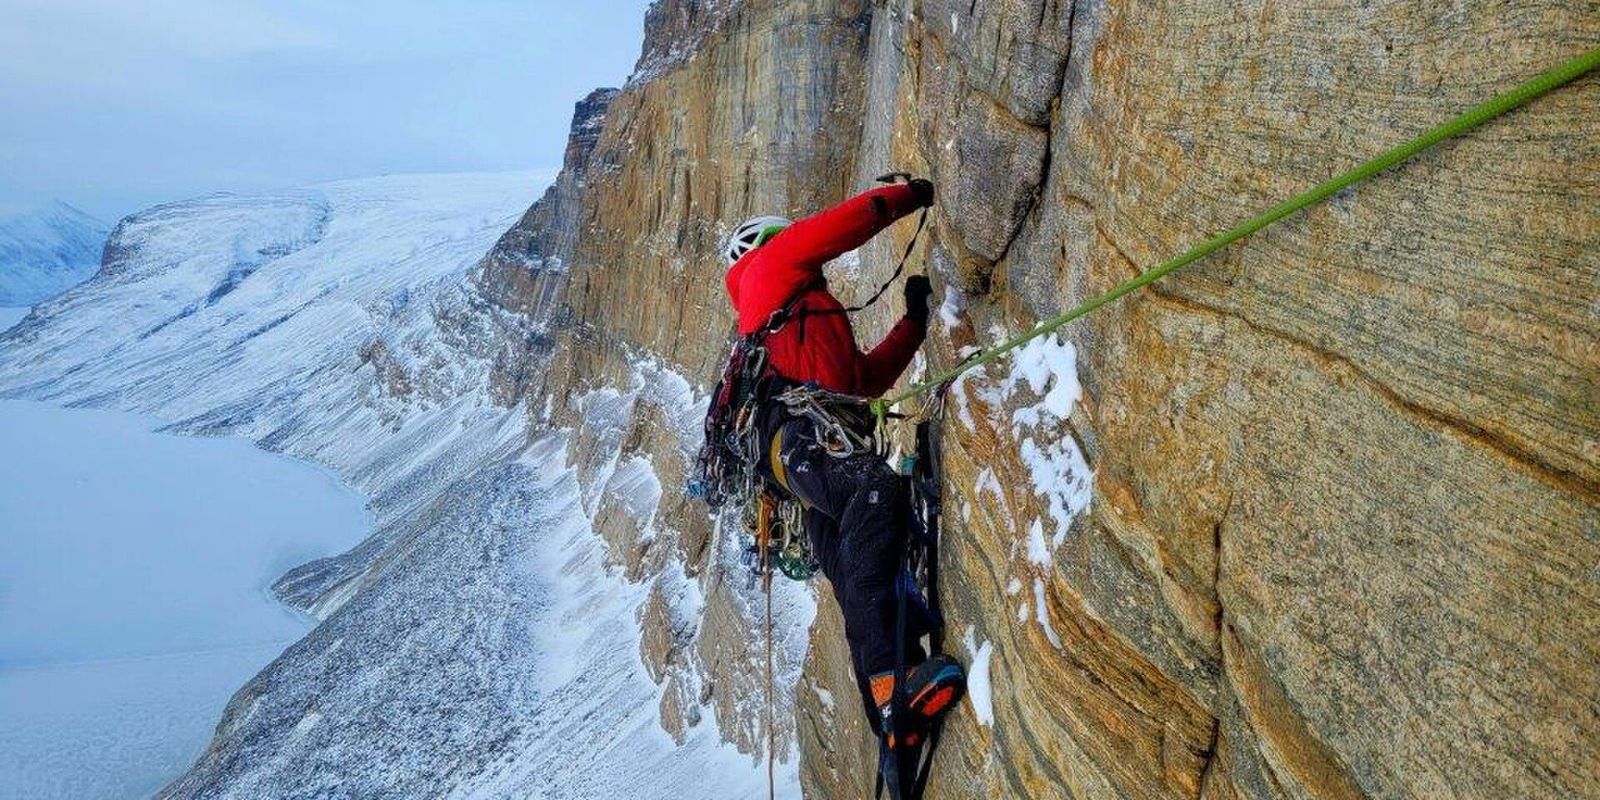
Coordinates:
[45,251]
[482,621]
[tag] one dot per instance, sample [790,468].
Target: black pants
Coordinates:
[857,517]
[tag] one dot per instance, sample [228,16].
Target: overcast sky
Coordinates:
[114,106]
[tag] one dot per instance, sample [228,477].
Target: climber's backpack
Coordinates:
[727,467]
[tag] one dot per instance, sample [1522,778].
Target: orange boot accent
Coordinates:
[882,686]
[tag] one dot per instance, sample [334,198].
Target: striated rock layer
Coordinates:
[1316,518]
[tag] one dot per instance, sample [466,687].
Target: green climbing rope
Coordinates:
[1545,82]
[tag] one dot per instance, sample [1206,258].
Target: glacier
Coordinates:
[478,643]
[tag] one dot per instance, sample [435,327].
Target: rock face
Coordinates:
[523,270]
[1315,518]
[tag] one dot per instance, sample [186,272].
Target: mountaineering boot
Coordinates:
[894,731]
[934,687]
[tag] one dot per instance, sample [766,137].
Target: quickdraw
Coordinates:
[838,420]
[792,556]
[787,549]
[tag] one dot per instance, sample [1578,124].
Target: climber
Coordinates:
[856,511]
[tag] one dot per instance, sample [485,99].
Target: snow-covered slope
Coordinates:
[478,643]
[46,251]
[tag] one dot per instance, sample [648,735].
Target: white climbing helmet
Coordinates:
[750,234]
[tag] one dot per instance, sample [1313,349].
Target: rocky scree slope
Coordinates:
[1315,518]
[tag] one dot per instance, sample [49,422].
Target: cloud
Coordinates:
[115,105]
[61,29]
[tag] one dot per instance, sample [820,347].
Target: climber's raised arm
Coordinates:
[822,237]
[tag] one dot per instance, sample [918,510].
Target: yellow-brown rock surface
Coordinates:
[1344,534]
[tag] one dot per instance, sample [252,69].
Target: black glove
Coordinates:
[923,189]
[917,291]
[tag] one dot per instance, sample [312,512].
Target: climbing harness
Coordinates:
[843,426]
[838,419]
[1541,84]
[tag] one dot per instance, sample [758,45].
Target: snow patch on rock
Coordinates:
[980,689]
[1042,613]
[1041,387]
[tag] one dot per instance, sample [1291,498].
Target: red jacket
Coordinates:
[822,347]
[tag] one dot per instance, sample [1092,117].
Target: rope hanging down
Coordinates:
[1543,83]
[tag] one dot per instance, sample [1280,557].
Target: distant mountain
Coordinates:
[46,251]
